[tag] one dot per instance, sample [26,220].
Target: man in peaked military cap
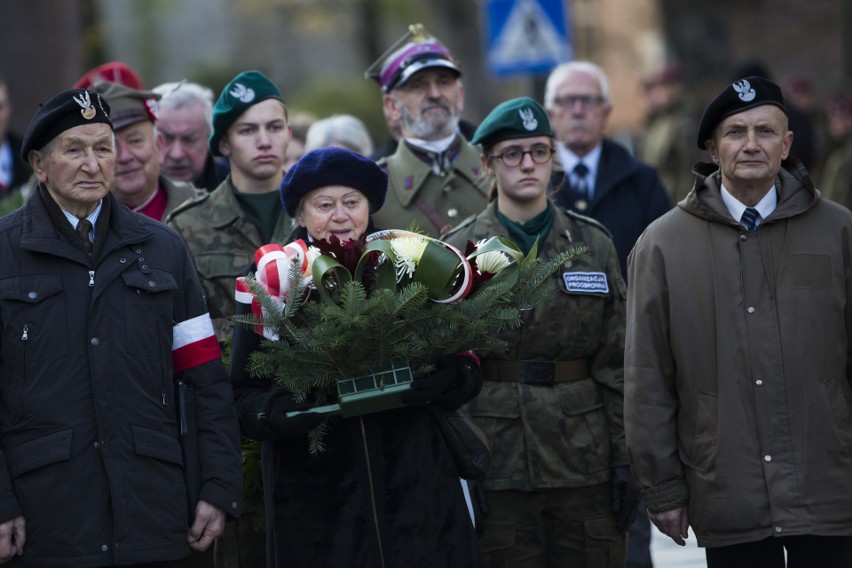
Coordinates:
[551,405]
[738,402]
[138,183]
[101,313]
[222,229]
[435,177]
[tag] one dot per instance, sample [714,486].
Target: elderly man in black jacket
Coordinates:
[101,314]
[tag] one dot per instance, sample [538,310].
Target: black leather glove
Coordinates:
[625,497]
[455,380]
[284,426]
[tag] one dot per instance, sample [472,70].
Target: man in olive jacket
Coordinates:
[101,314]
[435,178]
[738,404]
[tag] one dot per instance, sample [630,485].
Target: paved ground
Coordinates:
[666,554]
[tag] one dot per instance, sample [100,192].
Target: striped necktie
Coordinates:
[749,218]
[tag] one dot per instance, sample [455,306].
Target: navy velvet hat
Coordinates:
[333,166]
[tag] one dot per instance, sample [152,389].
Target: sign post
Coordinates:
[526,36]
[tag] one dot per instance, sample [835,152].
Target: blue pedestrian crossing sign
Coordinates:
[526,36]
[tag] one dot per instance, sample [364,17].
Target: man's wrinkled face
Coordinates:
[428,105]
[77,167]
[749,147]
[137,164]
[579,114]
[185,132]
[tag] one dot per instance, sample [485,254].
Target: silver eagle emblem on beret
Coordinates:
[528,118]
[744,91]
[242,93]
[87,109]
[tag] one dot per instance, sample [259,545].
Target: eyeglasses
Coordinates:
[514,156]
[586,101]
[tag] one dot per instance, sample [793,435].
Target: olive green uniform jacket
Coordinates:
[413,186]
[222,242]
[569,434]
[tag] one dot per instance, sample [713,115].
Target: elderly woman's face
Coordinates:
[334,210]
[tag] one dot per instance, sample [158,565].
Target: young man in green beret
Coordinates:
[138,183]
[222,230]
[559,488]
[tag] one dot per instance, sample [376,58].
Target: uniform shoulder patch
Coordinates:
[584,220]
[188,204]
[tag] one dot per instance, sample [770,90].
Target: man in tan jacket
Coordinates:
[738,403]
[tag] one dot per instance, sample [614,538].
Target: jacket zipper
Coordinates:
[372,492]
[91,279]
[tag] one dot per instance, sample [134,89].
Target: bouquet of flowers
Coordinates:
[351,324]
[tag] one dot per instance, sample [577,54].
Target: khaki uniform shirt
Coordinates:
[435,202]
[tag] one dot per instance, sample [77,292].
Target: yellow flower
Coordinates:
[408,251]
[492,261]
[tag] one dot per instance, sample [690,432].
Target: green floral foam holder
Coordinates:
[369,393]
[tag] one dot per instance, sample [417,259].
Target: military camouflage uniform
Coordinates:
[222,242]
[451,195]
[553,446]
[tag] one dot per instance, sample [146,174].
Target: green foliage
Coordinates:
[321,342]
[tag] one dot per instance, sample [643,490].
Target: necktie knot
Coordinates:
[580,170]
[749,218]
[84,226]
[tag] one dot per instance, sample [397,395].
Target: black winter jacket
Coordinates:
[89,440]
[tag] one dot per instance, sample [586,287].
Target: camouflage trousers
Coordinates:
[564,528]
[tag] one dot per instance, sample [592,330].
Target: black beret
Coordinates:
[333,166]
[516,118]
[737,97]
[66,110]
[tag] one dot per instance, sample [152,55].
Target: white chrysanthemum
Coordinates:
[313,253]
[492,261]
[408,251]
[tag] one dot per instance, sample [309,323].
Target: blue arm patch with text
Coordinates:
[586,282]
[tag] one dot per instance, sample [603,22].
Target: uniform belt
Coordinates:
[542,373]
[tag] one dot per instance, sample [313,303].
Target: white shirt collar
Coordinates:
[92,217]
[736,207]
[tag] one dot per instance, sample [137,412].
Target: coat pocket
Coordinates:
[586,424]
[39,452]
[497,412]
[705,441]
[148,311]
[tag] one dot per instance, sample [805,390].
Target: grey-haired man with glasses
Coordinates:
[601,178]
